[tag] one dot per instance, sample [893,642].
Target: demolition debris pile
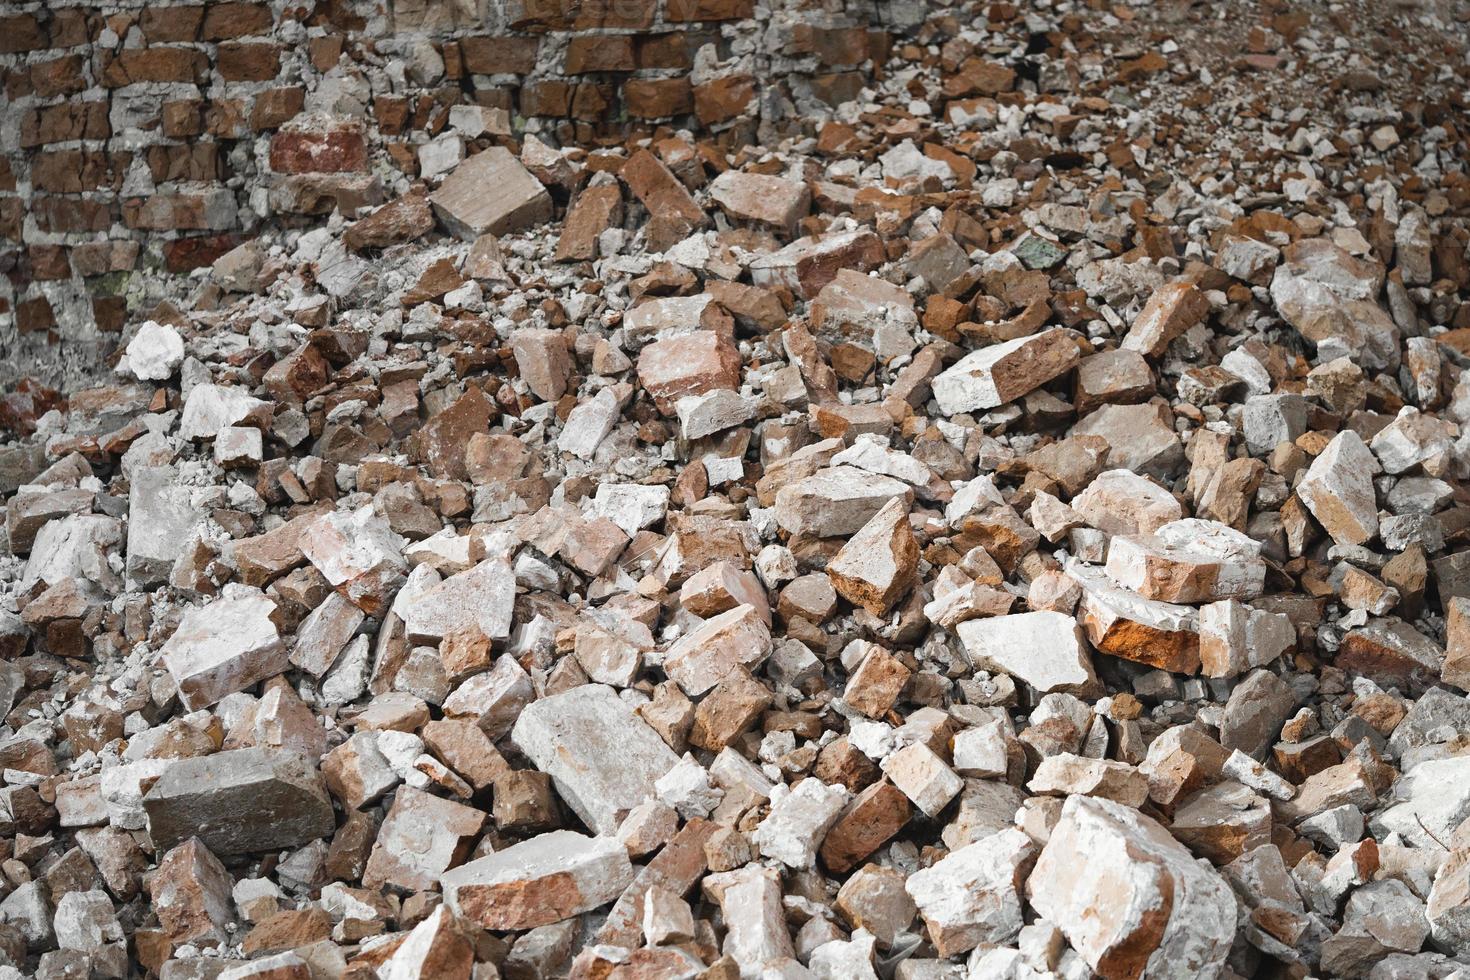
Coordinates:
[1010,525]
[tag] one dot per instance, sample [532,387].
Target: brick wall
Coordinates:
[142,140]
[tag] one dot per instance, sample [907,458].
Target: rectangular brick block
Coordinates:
[317,147]
[75,171]
[192,161]
[48,263]
[72,214]
[498,55]
[68,121]
[600,52]
[12,217]
[59,76]
[225,21]
[539,15]
[635,15]
[161,24]
[276,107]
[100,258]
[70,28]
[674,50]
[156,65]
[34,315]
[658,98]
[687,11]
[21,32]
[183,118]
[546,99]
[110,312]
[248,62]
[208,211]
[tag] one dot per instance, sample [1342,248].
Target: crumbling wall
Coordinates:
[140,141]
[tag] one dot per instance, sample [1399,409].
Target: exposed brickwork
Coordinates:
[152,135]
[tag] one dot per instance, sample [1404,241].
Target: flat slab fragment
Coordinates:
[540,881]
[603,758]
[240,801]
[1044,649]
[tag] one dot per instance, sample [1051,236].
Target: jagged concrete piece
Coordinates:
[1129,897]
[483,596]
[701,658]
[798,821]
[836,502]
[571,737]
[225,646]
[877,566]
[1188,561]
[1338,489]
[973,895]
[1044,649]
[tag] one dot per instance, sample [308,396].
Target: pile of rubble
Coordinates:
[1008,531]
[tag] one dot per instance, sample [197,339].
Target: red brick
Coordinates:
[332,149]
[75,171]
[592,101]
[161,24]
[600,52]
[60,76]
[223,21]
[325,52]
[48,263]
[110,312]
[685,11]
[72,214]
[391,112]
[667,50]
[155,65]
[183,118]
[539,15]
[170,212]
[100,258]
[723,98]
[21,32]
[187,254]
[12,216]
[498,55]
[546,99]
[69,28]
[276,107]
[248,62]
[225,119]
[192,161]
[658,98]
[34,315]
[67,121]
[634,15]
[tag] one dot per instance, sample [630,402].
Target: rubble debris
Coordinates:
[734,490]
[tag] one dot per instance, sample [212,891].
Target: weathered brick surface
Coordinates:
[104,97]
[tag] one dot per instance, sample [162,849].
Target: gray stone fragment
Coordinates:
[239,801]
[160,517]
[603,758]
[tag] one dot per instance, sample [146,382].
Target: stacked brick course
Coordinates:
[154,137]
